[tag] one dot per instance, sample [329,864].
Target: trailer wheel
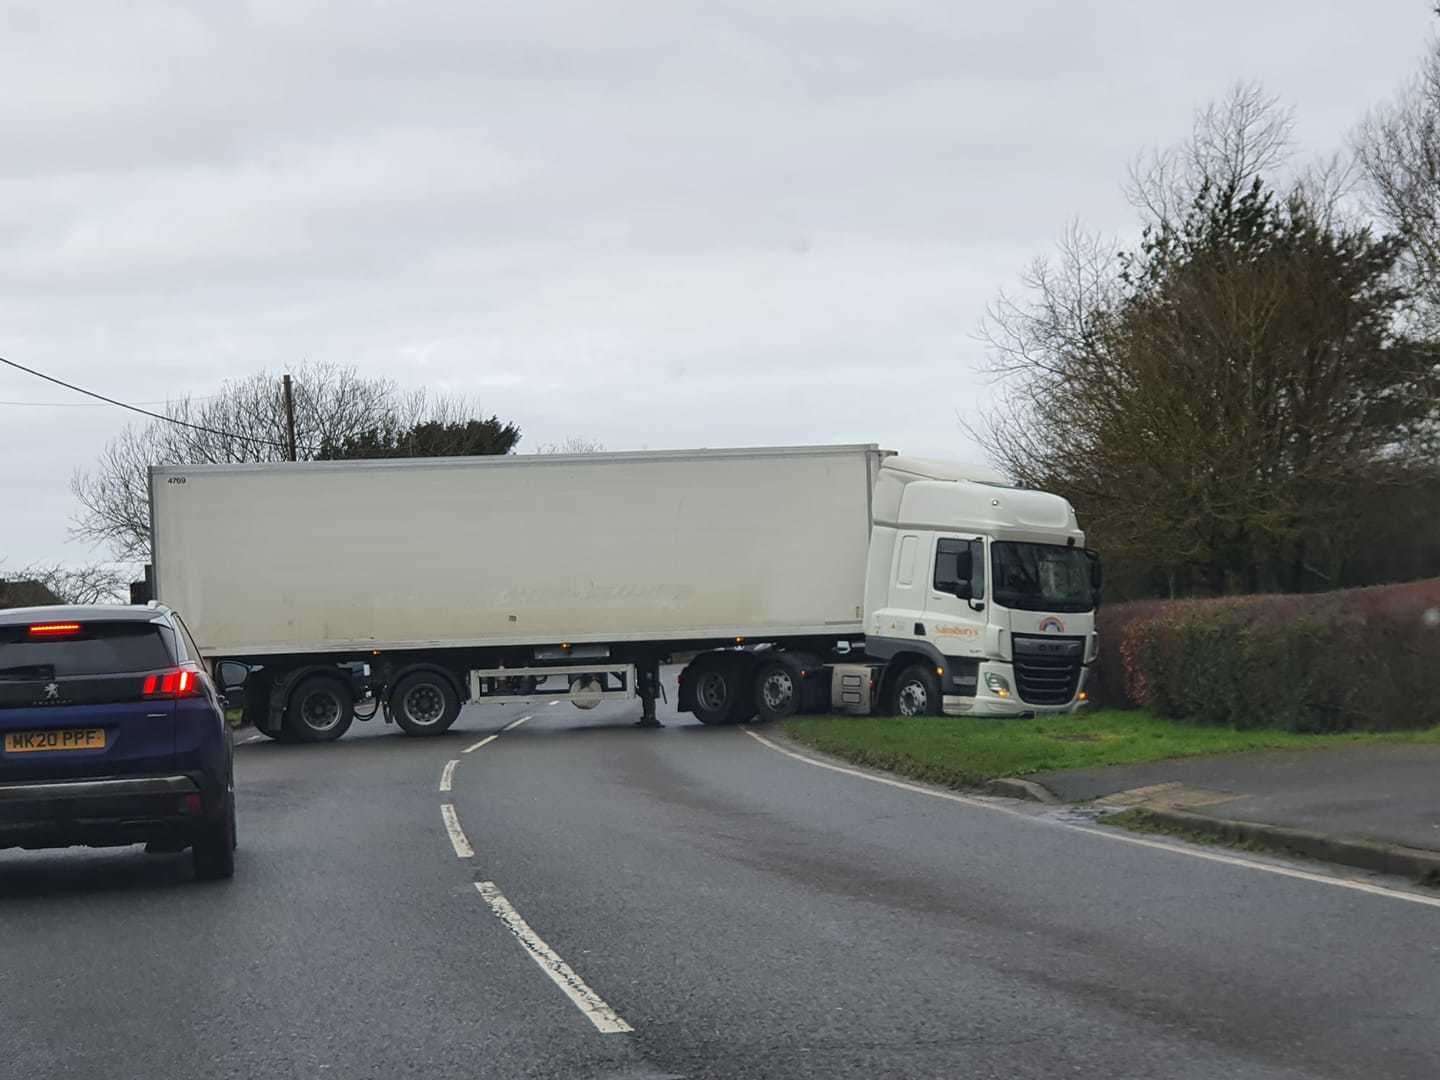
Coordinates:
[321,709]
[778,692]
[424,703]
[914,692]
[719,684]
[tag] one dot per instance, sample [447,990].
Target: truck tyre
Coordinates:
[213,850]
[914,692]
[720,688]
[778,689]
[321,709]
[424,703]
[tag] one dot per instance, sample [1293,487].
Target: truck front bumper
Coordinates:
[988,701]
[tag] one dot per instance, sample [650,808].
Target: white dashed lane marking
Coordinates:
[483,742]
[606,1020]
[458,841]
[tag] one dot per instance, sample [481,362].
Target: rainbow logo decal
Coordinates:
[1050,622]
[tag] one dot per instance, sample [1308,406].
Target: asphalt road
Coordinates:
[743,913]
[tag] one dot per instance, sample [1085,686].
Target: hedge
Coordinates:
[1357,659]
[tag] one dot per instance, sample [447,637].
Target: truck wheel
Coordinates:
[714,695]
[777,689]
[424,703]
[914,692]
[213,851]
[720,685]
[321,709]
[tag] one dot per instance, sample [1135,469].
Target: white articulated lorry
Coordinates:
[837,578]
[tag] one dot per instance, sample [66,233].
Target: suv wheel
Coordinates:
[213,851]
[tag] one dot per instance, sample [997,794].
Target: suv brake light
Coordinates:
[55,629]
[178,682]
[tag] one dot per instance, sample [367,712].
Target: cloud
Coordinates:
[654,223]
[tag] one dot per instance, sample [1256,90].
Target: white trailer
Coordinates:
[421,583]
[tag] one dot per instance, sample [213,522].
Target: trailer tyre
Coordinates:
[778,689]
[321,709]
[914,692]
[424,703]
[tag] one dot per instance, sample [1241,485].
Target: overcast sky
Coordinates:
[655,223]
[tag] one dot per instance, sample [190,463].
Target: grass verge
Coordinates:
[963,751]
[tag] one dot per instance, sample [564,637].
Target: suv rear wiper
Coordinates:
[27,671]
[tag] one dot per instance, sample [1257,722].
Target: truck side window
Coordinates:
[947,553]
[905,573]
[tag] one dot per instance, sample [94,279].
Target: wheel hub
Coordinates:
[712,691]
[321,712]
[778,689]
[913,699]
[423,705]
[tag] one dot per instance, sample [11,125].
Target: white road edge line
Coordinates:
[606,1020]
[251,739]
[554,703]
[482,742]
[462,847]
[516,723]
[447,777]
[1116,835]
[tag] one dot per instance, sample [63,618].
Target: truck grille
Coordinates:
[1047,669]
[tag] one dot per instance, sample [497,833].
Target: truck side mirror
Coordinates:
[1097,574]
[962,589]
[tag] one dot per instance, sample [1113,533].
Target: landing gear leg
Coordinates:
[647,679]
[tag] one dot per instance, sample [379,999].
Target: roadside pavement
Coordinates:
[1367,797]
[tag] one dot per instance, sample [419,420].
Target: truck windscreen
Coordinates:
[1041,577]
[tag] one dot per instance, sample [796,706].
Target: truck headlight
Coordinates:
[997,684]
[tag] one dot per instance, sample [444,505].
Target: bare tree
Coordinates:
[1246,134]
[575,444]
[335,406]
[1212,398]
[1399,151]
[93,584]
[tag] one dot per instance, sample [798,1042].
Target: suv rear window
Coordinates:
[102,648]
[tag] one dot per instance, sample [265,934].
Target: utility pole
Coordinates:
[289,418]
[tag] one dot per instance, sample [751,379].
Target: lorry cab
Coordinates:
[991,584]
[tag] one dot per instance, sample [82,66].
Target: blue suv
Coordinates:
[112,732]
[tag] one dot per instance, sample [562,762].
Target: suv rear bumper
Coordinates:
[104,811]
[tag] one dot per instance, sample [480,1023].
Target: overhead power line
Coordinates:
[146,412]
[95,404]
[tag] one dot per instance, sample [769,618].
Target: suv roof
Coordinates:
[82,613]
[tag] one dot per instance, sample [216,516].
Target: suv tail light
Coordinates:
[180,682]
